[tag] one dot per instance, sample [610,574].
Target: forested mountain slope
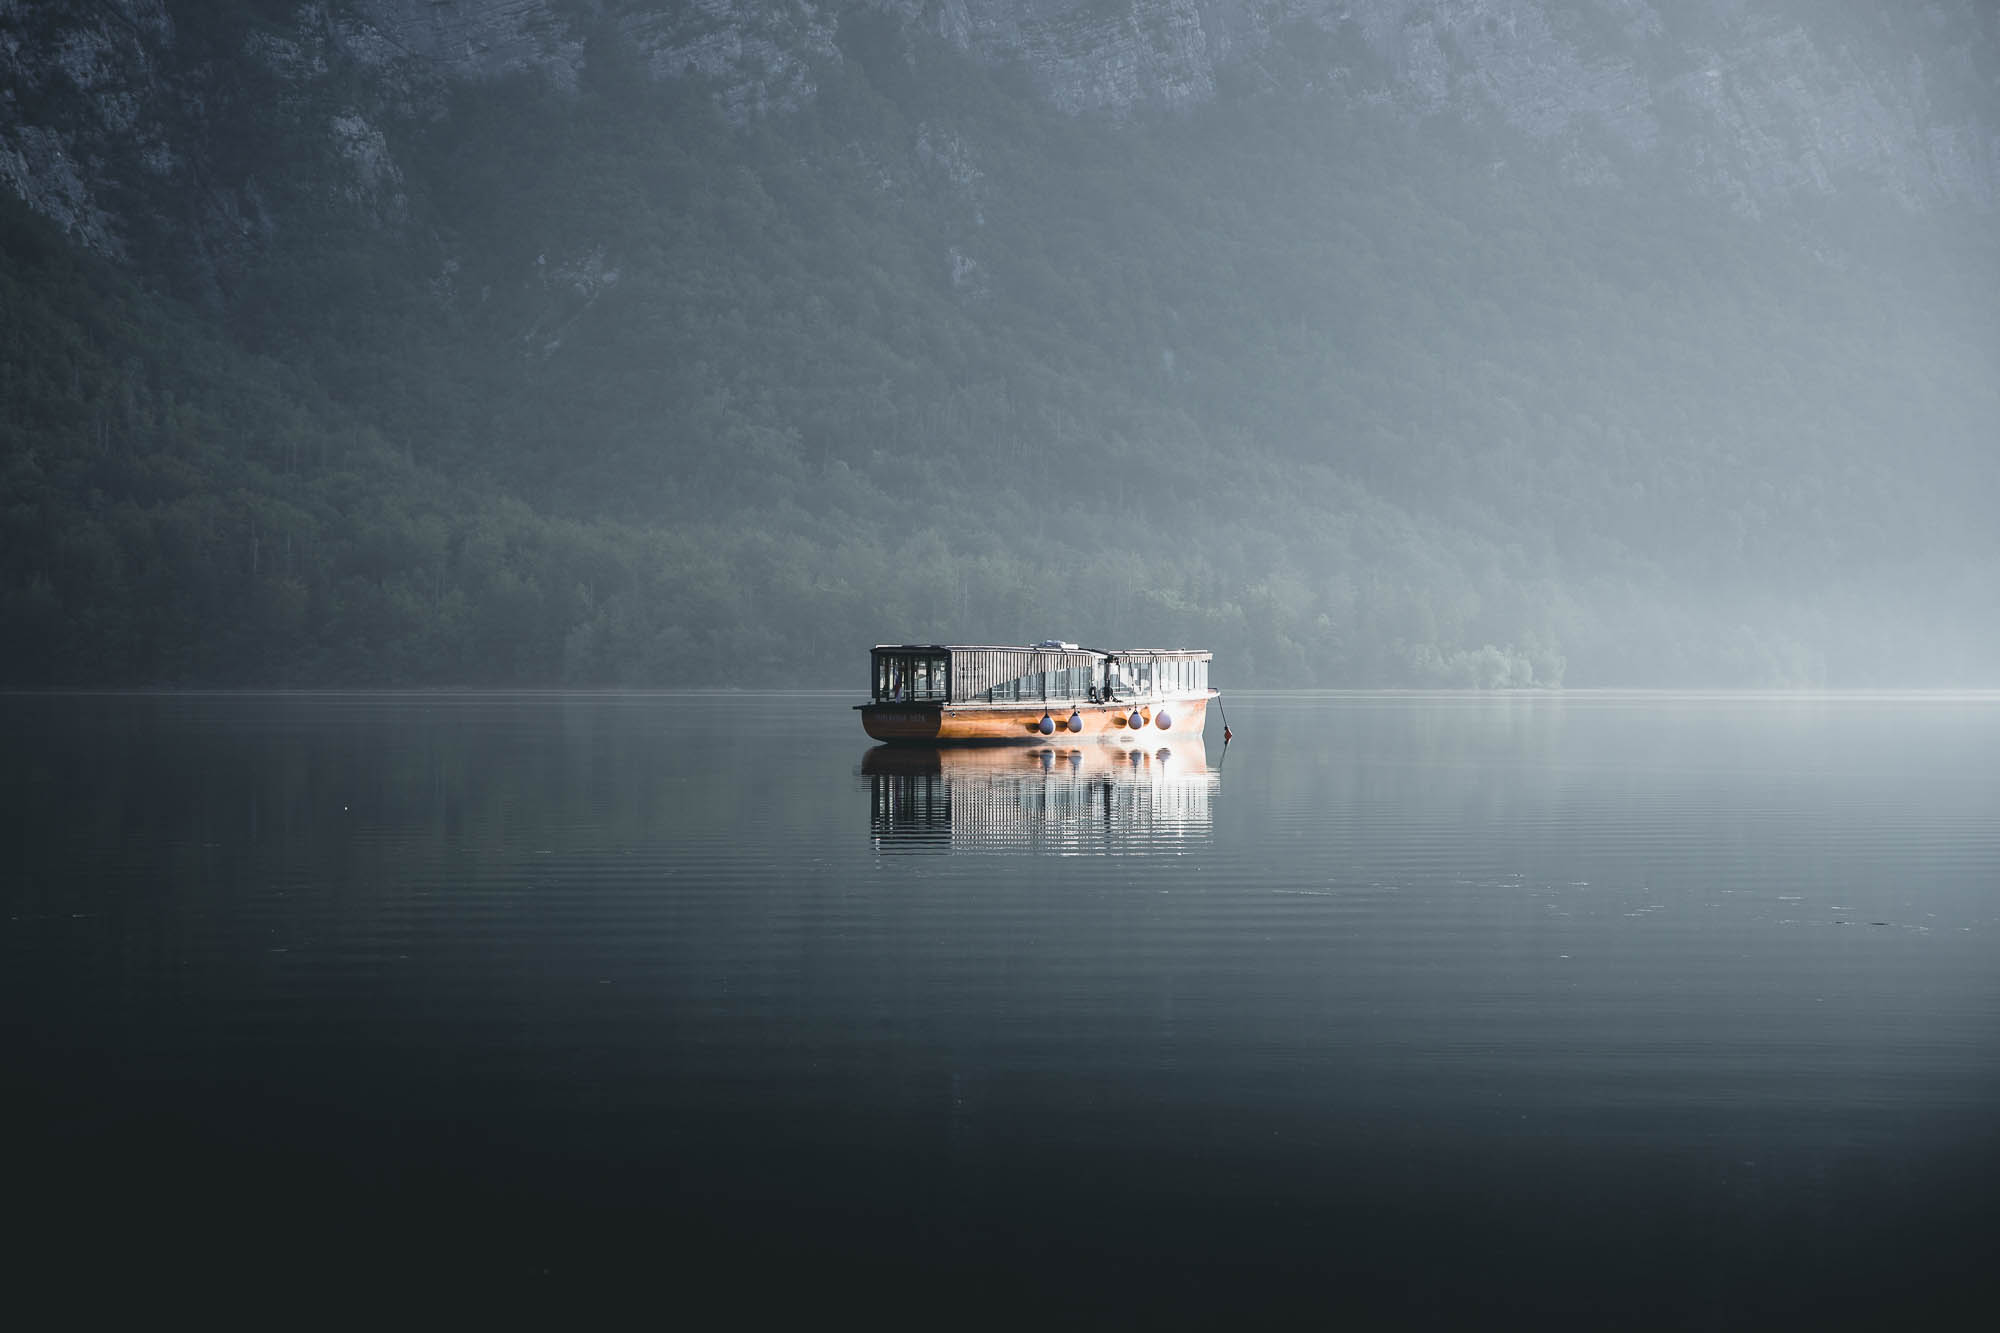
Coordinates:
[642,344]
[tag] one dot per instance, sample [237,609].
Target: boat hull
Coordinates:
[935,723]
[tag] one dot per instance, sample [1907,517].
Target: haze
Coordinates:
[1494,343]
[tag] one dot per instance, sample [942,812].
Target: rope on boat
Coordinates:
[1226,733]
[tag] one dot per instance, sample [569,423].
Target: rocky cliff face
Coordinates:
[1762,102]
[74,83]
[1752,100]
[466,38]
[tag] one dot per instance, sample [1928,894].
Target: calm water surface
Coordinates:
[1673,1011]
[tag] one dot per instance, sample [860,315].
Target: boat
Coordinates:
[949,693]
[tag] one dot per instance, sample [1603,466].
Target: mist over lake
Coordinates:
[1506,343]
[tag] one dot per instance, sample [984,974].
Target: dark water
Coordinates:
[1675,1012]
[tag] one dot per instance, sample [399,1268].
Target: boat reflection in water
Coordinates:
[1080,800]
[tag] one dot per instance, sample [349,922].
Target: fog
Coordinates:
[1509,343]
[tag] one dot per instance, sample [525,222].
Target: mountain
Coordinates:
[548,341]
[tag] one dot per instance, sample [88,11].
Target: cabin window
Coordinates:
[901,677]
[1063,683]
[928,677]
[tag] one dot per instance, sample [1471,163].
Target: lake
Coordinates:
[1676,1011]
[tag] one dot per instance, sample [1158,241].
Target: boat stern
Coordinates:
[902,721]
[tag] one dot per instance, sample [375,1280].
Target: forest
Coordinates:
[600,387]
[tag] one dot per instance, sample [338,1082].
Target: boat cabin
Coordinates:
[1046,673]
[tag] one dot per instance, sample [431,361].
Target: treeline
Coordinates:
[600,389]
